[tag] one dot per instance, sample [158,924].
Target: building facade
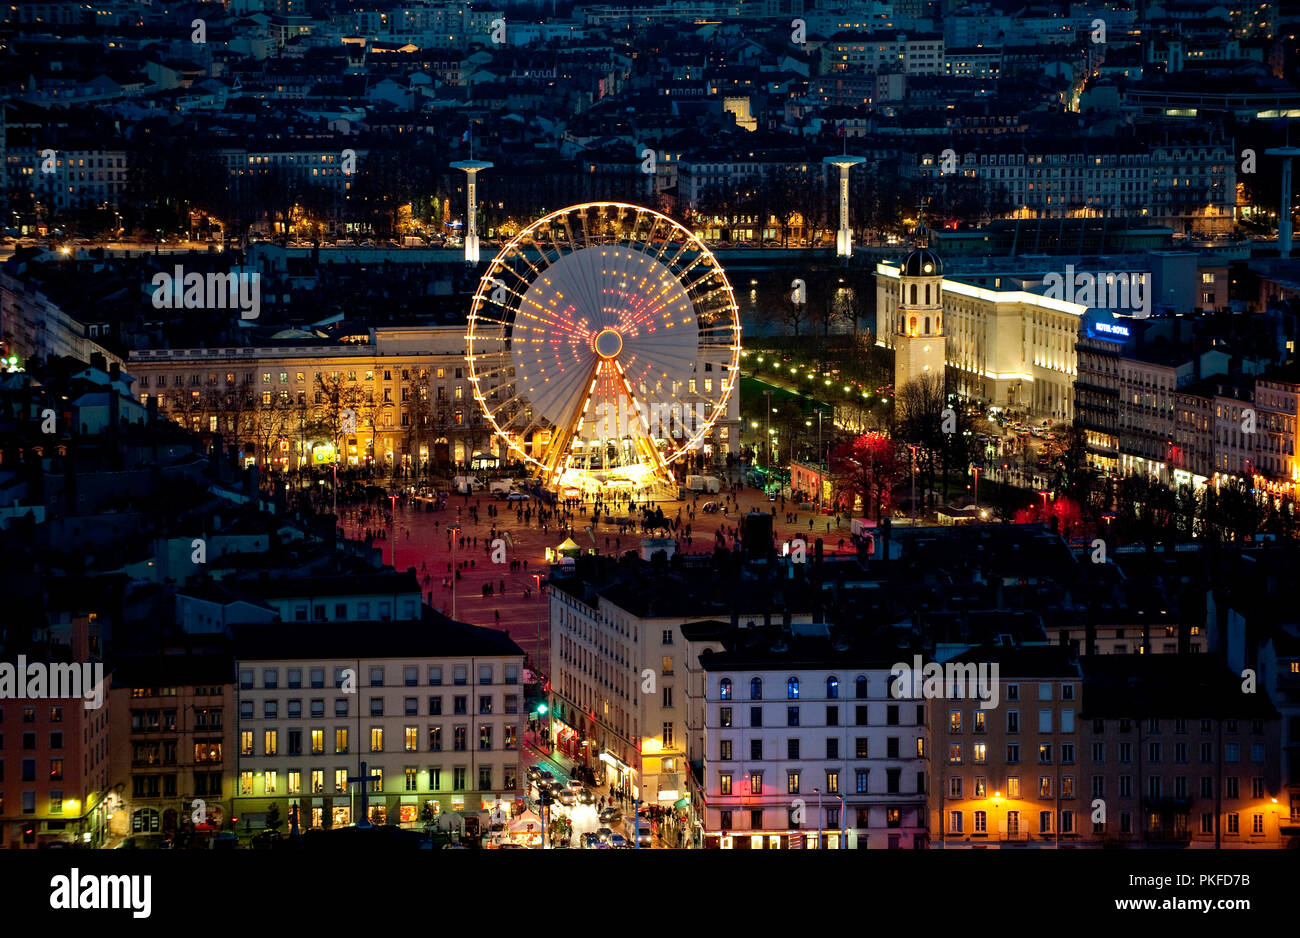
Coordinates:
[1003,345]
[803,752]
[173,731]
[1009,775]
[428,717]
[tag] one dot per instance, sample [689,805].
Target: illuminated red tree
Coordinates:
[866,467]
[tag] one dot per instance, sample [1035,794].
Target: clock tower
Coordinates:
[919,344]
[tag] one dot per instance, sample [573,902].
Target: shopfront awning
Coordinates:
[613,760]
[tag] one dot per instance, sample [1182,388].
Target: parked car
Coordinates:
[611,814]
[518,497]
[709,508]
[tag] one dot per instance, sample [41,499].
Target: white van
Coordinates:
[709,484]
[467,485]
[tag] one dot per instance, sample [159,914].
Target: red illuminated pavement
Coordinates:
[422,543]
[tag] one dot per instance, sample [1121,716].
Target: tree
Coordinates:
[919,421]
[1071,474]
[793,313]
[273,817]
[276,418]
[419,412]
[866,468]
[337,395]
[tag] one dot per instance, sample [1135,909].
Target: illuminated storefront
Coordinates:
[567,740]
[623,775]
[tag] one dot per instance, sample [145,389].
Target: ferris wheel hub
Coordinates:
[608,343]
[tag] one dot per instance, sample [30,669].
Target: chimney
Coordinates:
[115,371]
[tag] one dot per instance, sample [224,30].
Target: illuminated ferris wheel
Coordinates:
[603,345]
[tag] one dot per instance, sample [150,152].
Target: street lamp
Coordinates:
[454,531]
[537,579]
[843,819]
[913,447]
[767,460]
[392,500]
[976,470]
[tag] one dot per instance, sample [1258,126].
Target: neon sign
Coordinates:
[1109,329]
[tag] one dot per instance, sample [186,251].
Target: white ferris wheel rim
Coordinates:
[653,353]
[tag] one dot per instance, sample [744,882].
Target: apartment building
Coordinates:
[856,53]
[1096,396]
[805,747]
[173,727]
[1146,413]
[1010,775]
[1114,184]
[321,166]
[77,177]
[1194,188]
[1193,450]
[620,666]
[1277,402]
[1178,755]
[55,784]
[427,716]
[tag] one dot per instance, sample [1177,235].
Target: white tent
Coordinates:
[527,821]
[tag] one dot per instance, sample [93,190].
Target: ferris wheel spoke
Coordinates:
[563,398]
[509,268]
